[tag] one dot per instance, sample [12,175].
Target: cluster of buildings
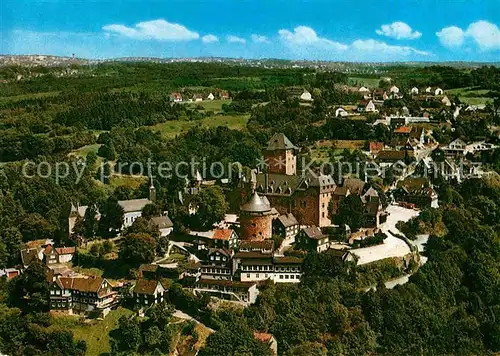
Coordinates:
[177,97]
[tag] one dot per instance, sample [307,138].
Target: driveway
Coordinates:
[392,246]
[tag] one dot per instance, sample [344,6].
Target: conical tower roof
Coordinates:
[255,205]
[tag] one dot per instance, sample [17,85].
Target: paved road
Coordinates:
[181,315]
[392,246]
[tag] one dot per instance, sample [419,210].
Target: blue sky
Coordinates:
[346,30]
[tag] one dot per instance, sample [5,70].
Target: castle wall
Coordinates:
[281,161]
[256,227]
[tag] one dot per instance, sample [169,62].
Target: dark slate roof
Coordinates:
[280,142]
[145,286]
[133,204]
[251,254]
[391,155]
[313,232]
[163,222]
[91,284]
[355,185]
[255,205]
[288,220]
[277,184]
[287,260]
[413,184]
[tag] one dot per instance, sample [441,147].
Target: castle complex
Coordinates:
[305,195]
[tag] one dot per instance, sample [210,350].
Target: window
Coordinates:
[286,276]
[257,275]
[281,276]
[248,275]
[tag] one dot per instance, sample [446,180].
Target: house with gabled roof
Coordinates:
[312,238]
[82,294]
[286,226]
[53,255]
[176,97]
[148,292]
[218,264]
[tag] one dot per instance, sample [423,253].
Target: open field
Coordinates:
[94,332]
[211,105]
[85,150]
[470,96]
[176,127]
[367,82]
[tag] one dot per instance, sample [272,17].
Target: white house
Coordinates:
[132,209]
[428,90]
[164,224]
[438,91]
[414,91]
[394,89]
[364,90]
[370,107]
[210,97]
[446,101]
[306,96]
[341,112]
[148,292]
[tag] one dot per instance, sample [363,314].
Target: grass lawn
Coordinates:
[367,82]
[176,127]
[211,105]
[133,182]
[85,150]
[470,96]
[94,332]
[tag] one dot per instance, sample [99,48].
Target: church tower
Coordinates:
[280,155]
[152,190]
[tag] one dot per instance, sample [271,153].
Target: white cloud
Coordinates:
[209,39]
[398,30]
[235,39]
[452,36]
[379,47]
[306,36]
[484,34]
[160,30]
[259,39]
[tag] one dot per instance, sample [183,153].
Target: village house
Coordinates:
[286,226]
[218,264]
[244,292]
[58,255]
[394,89]
[311,238]
[340,112]
[414,91]
[176,97]
[380,95]
[306,96]
[455,148]
[366,106]
[9,273]
[223,95]
[264,246]
[375,147]
[148,292]
[163,223]
[446,101]
[417,191]
[29,255]
[82,295]
[210,97]
[216,238]
[132,209]
[269,340]
[438,91]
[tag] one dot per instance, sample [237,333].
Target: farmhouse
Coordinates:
[148,292]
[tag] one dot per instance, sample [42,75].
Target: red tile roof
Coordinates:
[263,337]
[376,146]
[222,234]
[403,129]
[65,250]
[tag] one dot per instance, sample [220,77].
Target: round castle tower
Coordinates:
[256,219]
